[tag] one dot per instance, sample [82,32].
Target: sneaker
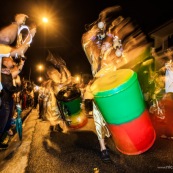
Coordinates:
[105,156]
[3,146]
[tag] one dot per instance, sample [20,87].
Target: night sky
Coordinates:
[68,18]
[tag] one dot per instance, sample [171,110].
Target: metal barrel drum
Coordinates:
[70,102]
[120,100]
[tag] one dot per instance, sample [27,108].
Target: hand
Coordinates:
[17,80]
[33,31]
[20,18]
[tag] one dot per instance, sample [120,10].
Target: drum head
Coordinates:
[68,93]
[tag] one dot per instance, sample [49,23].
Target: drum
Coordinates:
[134,137]
[70,101]
[120,100]
[118,96]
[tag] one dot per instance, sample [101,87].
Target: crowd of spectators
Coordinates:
[13,45]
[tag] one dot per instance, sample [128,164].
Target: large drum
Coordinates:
[119,98]
[69,100]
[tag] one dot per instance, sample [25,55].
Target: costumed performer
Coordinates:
[109,44]
[59,77]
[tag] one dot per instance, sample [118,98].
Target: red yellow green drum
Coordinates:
[118,96]
[70,101]
[120,100]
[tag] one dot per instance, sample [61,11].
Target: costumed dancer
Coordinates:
[59,77]
[92,42]
[161,108]
[51,111]
[109,44]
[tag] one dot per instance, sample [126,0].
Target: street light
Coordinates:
[45,20]
[40,67]
[41,21]
[77,79]
[40,79]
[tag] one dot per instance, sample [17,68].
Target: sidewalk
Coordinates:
[14,141]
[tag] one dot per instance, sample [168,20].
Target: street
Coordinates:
[42,150]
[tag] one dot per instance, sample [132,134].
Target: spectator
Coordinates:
[8,73]
[36,93]
[40,102]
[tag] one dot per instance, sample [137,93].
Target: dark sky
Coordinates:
[63,33]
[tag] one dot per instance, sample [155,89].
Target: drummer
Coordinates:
[57,80]
[102,44]
[92,42]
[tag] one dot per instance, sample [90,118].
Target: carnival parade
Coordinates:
[127,99]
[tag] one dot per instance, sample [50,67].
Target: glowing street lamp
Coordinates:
[45,20]
[40,79]
[40,67]
[77,79]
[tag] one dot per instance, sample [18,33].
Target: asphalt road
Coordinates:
[78,152]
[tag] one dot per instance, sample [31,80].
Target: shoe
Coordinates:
[105,156]
[3,146]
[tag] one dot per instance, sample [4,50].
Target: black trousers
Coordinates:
[88,103]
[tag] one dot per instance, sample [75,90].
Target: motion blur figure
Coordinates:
[58,77]
[110,43]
